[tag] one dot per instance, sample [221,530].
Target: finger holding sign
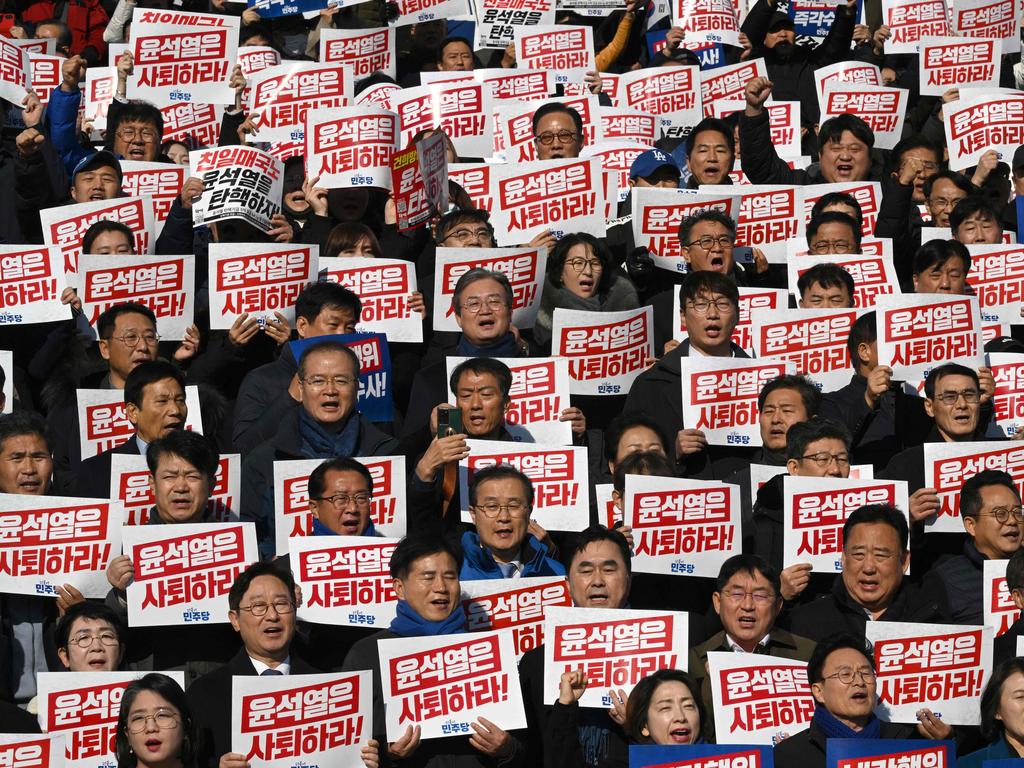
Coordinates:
[593,82]
[416,304]
[189,345]
[861,33]
[248,128]
[279,329]
[986,383]
[67,596]
[315,196]
[795,580]
[125,67]
[280,229]
[617,711]
[191,191]
[490,739]
[924,502]
[674,37]
[233,760]
[120,572]
[70,296]
[931,726]
[405,746]
[690,441]
[627,534]
[986,164]
[243,330]
[250,16]
[370,753]
[577,421]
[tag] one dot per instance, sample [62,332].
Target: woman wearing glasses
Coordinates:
[155,726]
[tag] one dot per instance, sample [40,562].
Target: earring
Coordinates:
[644,732]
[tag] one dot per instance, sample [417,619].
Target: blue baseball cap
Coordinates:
[99,160]
[649,162]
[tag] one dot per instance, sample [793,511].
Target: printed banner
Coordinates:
[32,751]
[616,648]
[174,63]
[622,124]
[919,331]
[513,135]
[997,277]
[864,753]
[657,214]
[492,604]
[682,527]
[384,287]
[673,93]
[948,465]
[953,62]
[881,107]
[278,722]
[976,124]
[444,683]
[462,109]
[911,21]
[873,276]
[182,573]
[258,279]
[700,756]
[988,19]
[813,18]
[238,182]
[497,20]
[350,146]
[130,485]
[198,122]
[33,278]
[65,225]
[375,400]
[1000,612]
[103,424]
[561,484]
[365,50]
[475,179]
[1008,402]
[345,580]
[606,350]
[707,21]
[813,339]
[281,96]
[939,666]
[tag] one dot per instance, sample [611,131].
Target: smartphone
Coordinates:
[449,422]
[743,254]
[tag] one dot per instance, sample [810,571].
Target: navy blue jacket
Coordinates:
[479,564]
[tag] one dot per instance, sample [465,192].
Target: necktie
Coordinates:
[268,672]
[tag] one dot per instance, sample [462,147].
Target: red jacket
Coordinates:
[87,20]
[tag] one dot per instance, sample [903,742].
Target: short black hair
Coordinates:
[317,478]
[640,697]
[836,198]
[556,106]
[878,513]
[947,369]
[137,112]
[831,644]
[937,252]
[107,320]
[189,445]
[863,331]
[624,422]
[316,297]
[827,276]
[105,225]
[1015,571]
[500,472]
[18,423]
[914,141]
[419,545]
[959,180]
[558,255]
[473,276]
[450,220]
[710,124]
[148,373]
[593,534]
[448,41]
[833,217]
[831,131]
[327,345]
[748,563]
[992,727]
[809,394]
[707,282]
[260,568]
[87,609]
[482,365]
[970,493]
[973,205]
[168,689]
[641,463]
[705,214]
[803,433]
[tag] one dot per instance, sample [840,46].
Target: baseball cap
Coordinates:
[648,162]
[98,160]
[1018,162]
[780,19]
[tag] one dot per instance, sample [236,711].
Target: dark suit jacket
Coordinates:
[211,699]
[92,480]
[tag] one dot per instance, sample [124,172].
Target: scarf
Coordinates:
[319,529]
[619,295]
[408,623]
[833,728]
[318,443]
[504,347]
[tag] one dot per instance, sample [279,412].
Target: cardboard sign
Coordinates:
[446,682]
[33,279]
[282,95]
[497,20]
[815,509]
[182,573]
[873,276]
[867,193]
[988,19]
[324,719]
[239,182]
[862,753]
[881,107]
[682,527]
[539,394]
[657,214]
[709,21]
[911,21]
[365,50]
[853,72]
[15,72]
[1008,402]
[700,756]
[175,63]
[758,699]
[672,93]
[564,49]
[940,666]
[616,648]
[727,83]
[948,465]
[976,124]
[813,339]
[32,751]
[720,396]
[606,350]
[919,331]
[561,486]
[65,225]
[258,279]
[165,284]
[524,268]
[130,485]
[344,580]
[103,424]
[49,541]
[1000,612]
[384,287]
[491,604]
[952,62]
[997,277]
[350,146]
[83,708]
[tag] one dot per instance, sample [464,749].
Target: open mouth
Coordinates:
[680,735]
[716,262]
[330,406]
[486,323]
[844,170]
[869,586]
[477,419]
[962,419]
[136,153]
[586,284]
[859,696]
[273,630]
[441,603]
[711,171]
[174,423]
[598,598]
[747,622]
[181,503]
[153,745]
[713,331]
[503,534]
[350,525]
[30,486]
[97,195]
[98,663]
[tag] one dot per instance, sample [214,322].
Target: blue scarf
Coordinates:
[318,443]
[408,623]
[319,529]
[504,347]
[833,728]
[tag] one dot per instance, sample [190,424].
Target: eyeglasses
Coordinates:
[129,134]
[475,305]
[85,640]
[708,242]
[929,168]
[164,719]
[548,137]
[471,235]
[701,306]
[132,339]
[579,265]
[941,203]
[281,607]
[342,500]
[833,246]
[762,597]
[846,676]
[970,396]
[823,459]
[492,508]
[1002,514]
[319,382]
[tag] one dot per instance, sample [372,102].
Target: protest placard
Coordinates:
[672,93]
[1008,401]
[566,50]
[615,158]
[160,182]
[868,195]
[497,20]
[350,146]
[198,123]
[131,484]
[239,182]
[700,756]
[32,751]
[853,72]
[606,350]
[365,50]
[384,287]
[258,279]
[624,124]
[917,332]
[813,339]
[657,214]
[182,63]
[65,225]
[997,277]
[975,124]
[103,422]
[999,609]
[881,107]
[987,19]
[491,604]
[280,96]
[727,83]
[862,753]
[873,276]
[45,75]
[15,72]
[475,179]
[952,62]
[709,21]
[750,299]
[910,21]
[99,92]
[33,279]
[375,399]
[948,465]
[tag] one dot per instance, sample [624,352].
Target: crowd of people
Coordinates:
[261,399]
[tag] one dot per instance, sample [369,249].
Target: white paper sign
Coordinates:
[259,279]
[953,62]
[65,225]
[239,182]
[384,287]
[881,107]
[997,278]
[948,465]
[606,350]
[919,331]
[32,750]
[873,276]
[33,278]
[498,604]
[814,340]
[1000,612]
[350,146]
[976,124]
[912,20]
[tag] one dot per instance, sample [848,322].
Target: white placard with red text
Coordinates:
[939,666]
[417,11]
[564,49]
[345,580]
[606,350]
[258,279]
[997,277]
[45,46]
[814,510]
[977,123]
[953,62]
[280,96]
[46,75]
[384,287]
[707,21]
[622,124]
[881,107]
[682,527]
[33,278]
[1008,402]
[616,158]
[49,541]
[948,465]
[813,339]
[161,182]
[365,50]
[919,331]
[559,473]
[873,276]
[768,214]
[32,750]
[989,19]
[540,392]
[350,146]
[524,268]
[658,212]
[130,483]
[103,424]
[727,83]
[446,682]
[15,72]
[783,124]
[672,93]
[910,21]
[284,721]
[853,72]
[200,122]
[615,647]
[174,63]
[758,699]
[498,604]
[462,109]
[65,225]
[1000,611]
[182,573]
[99,92]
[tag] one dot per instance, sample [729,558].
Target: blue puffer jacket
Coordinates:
[479,564]
[60,121]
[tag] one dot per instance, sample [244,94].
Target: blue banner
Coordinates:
[269,9]
[1019,200]
[813,18]
[375,400]
[711,55]
[847,753]
[682,755]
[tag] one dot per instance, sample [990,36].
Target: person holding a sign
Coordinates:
[832,232]
[155,727]
[345,509]
[1005,645]
[707,239]
[1002,717]
[825,286]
